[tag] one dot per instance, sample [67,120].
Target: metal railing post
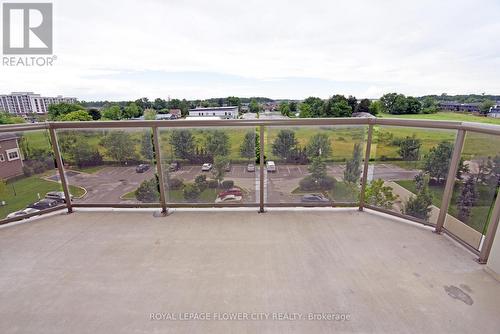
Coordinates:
[450,180]
[365,167]
[159,169]
[490,233]
[60,168]
[261,168]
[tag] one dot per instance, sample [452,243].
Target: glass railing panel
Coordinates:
[475,191]
[28,174]
[210,165]
[408,170]
[320,165]
[110,166]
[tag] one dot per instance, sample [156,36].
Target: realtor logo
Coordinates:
[27,28]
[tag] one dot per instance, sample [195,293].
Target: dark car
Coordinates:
[45,203]
[142,168]
[314,198]
[174,166]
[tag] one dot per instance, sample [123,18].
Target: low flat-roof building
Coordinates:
[221,112]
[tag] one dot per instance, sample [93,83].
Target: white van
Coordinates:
[271,167]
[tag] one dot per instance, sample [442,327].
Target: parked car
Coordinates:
[229,199]
[22,212]
[45,203]
[227,168]
[142,168]
[250,168]
[206,167]
[271,166]
[174,166]
[314,198]
[58,196]
[232,191]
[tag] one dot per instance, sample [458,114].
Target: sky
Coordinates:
[124,50]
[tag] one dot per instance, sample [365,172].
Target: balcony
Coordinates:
[103,272]
[341,241]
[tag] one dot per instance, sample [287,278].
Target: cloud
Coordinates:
[196,49]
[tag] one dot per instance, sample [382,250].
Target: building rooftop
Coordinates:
[104,272]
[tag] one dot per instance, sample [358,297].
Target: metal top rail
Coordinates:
[186,123]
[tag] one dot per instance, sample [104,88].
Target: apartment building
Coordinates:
[22,103]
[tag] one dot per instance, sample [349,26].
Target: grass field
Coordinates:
[479,213]
[447,116]
[20,193]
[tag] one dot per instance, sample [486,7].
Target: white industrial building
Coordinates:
[220,112]
[22,103]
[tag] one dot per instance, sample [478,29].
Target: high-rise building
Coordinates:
[22,103]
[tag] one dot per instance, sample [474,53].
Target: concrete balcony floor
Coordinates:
[106,272]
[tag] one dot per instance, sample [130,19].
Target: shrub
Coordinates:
[327,183]
[191,192]
[212,184]
[227,184]
[201,182]
[307,184]
[175,183]
[148,191]
[27,171]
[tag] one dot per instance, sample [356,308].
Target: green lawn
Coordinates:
[447,116]
[479,213]
[21,193]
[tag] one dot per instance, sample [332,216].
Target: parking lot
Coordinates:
[110,183]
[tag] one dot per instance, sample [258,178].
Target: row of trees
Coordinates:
[335,106]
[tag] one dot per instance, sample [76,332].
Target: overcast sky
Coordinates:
[280,49]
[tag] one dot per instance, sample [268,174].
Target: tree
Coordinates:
[319,145]
[219,168]
[112,112]
[284,109]
[388,100]
[467,199]
[150,114]
[419,206]
[57,110]
[147,146]
[318,169]
[144,103]
[364,106]
[409,148]
[182,142]
[94,113]
[254,106]
[148,191]
[247,148]
[352,171]
[119,146]
[337,106]
[413,105]
[485,106]
[201,182]
[159,104]
[284,144]
[377,194]
[131,110]
[305,110]
[234,101]
[293,107]
[437,161]
[75,116]
[316,106]
[217,143]
[376,108]
[191,192]
[352,102]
